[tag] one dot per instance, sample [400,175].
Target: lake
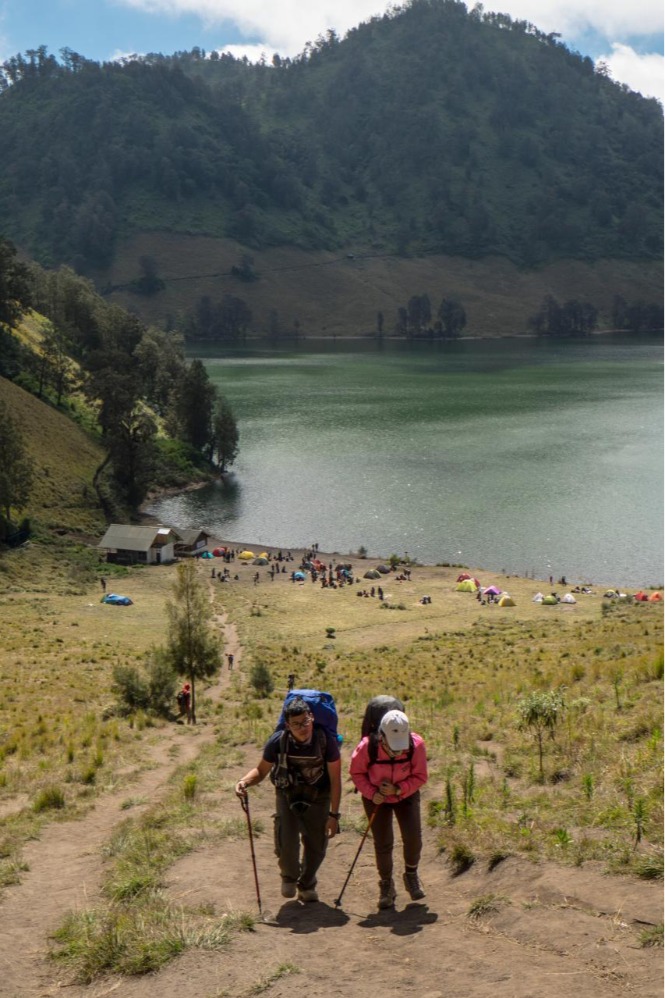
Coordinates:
[521,455]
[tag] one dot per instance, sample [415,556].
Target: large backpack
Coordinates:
[375,711]
[322,706]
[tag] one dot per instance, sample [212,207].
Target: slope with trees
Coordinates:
[502,141]
[158,419]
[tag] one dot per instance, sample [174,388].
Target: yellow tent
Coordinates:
[466,586]
[264,554]
[247,555]
[506,600]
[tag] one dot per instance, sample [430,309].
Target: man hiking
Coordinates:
[304,763]
[389,768]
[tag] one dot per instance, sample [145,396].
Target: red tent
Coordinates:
[641,597]
[463,577]
[219,552]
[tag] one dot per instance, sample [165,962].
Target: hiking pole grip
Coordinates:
[373,815]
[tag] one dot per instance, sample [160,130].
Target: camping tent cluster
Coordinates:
[487,594]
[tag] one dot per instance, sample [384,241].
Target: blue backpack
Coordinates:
[322,706]
[324,711]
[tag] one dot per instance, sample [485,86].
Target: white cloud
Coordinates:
[610,18]
[286,25]
[283,25]
[643,73]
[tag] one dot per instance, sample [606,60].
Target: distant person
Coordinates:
[184,699]
[230,659]
[102,583]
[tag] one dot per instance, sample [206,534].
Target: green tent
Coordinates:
[550,601]
[466,586]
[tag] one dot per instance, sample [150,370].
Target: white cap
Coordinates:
[395,729]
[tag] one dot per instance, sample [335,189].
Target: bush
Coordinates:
[152,690]
[162,683]
[50,798]
[130,688]
[261,679]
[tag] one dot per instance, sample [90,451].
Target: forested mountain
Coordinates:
[428,130]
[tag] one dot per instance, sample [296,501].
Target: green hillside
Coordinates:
[429,130]
[64,457]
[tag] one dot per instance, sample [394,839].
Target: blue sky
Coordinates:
[626,36]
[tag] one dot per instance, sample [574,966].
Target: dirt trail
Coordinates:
[558,931]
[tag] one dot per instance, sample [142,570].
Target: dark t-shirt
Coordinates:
[306,760]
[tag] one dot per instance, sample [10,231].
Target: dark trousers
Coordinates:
[306,828]
[407,813]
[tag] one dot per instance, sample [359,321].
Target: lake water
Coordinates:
[523,455]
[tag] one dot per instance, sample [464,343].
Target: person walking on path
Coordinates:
[304,763]
[184,699]
[389,768]
[230,661]
[102,583]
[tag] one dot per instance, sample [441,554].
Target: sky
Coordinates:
[624,34]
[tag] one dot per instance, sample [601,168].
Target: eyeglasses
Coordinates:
[299,725]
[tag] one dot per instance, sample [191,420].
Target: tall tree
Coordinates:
[225,435]
[16,472]
[452,316]
[15,286]
[192,648]
[195,404]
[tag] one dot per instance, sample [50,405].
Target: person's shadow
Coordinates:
[412,919]
[310,917]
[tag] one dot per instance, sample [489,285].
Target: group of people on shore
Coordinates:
[388,767]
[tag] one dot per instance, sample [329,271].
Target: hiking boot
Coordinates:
[307,894]
[413,885]
[387,893]
[288,889]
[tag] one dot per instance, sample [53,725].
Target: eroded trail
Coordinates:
[554,931]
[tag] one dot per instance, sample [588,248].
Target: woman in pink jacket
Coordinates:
[389,768]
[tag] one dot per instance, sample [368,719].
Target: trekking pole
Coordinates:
[338,901]
[265,916]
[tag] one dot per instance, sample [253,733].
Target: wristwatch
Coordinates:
[335,814]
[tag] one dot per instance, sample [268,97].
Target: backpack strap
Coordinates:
[280,773]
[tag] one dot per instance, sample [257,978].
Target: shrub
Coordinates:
[261,679]
[50,798]
[162,683]
[461,859]
[130,688]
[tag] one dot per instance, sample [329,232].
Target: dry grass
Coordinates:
[460,668]
[332,294]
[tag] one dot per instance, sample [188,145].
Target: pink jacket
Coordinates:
[408,774]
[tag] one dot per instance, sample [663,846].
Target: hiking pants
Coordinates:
[308,827]
[407,813]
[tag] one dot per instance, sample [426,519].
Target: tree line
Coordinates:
[159,417]
[574,318]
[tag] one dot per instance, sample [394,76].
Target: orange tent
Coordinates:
[655,598]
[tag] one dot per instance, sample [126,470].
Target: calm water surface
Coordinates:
[520,455]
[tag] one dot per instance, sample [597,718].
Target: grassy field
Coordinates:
[461,668]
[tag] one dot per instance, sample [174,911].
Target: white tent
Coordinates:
[568,598]
[538,598]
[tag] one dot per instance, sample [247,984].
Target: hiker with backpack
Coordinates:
[184,700]
[303,761]
[388,767]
